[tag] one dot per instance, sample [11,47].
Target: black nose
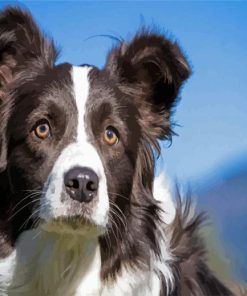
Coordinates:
[81,184]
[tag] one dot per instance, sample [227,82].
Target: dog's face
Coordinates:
[76,142]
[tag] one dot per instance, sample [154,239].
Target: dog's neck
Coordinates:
[57,263]
[62,263]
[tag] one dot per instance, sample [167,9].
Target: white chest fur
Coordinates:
[51,265]
[70,266]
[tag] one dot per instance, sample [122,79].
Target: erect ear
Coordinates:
[152,69]
[21,44]
[22,48]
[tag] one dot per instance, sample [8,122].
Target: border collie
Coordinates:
[80,212]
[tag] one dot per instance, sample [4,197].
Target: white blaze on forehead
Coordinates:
[79,153]
[81,92]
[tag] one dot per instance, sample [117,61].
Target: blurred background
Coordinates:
[210,154]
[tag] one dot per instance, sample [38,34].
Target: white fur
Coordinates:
[79,153]
[162,193]
[47,263]
[69,264]
[7,268]
[134,282]
[51,264]
[142,282]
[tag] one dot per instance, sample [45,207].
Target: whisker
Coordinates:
[31,190]
[28,219]
[118,194]
[32,201]
[66,270]
[108,240]
[122,220]
[26,197]
[36,235]
[117,229]
[111,225]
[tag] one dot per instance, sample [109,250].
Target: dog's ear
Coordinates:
[23,49]
[151,69]
[21,44]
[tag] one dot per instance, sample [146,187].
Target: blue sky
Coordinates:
[213,111]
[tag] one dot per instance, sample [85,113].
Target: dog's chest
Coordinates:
[133,283]
[53,267]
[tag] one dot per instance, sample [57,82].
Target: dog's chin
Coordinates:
[72,225]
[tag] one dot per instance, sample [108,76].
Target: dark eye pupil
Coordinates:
[43,128]
[110,134]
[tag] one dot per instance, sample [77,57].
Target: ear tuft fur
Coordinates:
[21,41]
[152,69]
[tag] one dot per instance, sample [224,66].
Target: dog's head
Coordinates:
[76,143]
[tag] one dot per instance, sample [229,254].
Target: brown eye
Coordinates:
[111,136]
[42,131]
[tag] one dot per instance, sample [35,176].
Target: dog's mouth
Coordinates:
[73,225]
[63,211]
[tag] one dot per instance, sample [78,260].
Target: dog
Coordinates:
[81,211]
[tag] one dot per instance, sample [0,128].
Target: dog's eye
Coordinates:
[111,136]
[42,130]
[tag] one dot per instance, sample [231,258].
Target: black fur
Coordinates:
[29,57]
[135,92]
[146,73]
[192,274]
